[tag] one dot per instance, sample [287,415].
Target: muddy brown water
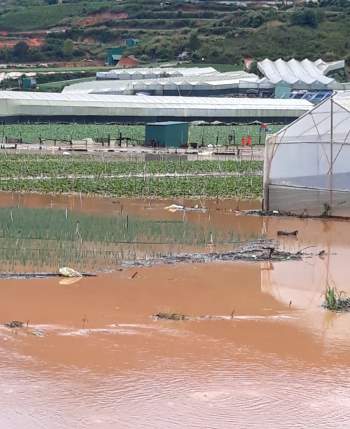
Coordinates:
[93,357]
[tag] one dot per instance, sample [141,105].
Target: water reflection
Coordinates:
[303,285]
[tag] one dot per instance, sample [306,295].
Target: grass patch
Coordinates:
[336,300]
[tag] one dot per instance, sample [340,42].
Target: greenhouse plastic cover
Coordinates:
[210,81]
[302,155]
[299,73]
[149,73]
[76,104]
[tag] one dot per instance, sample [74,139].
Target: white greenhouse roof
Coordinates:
[305,74]
[149,72]
[76,104]
[300,73]
[238,79]
[315,125]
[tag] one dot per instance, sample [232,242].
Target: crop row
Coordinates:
[33,166]
[241,186]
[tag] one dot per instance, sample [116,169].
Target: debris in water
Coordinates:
[263,250]
[322,253]
[212,317]
[282,213]
[14,324]
[37,333]
[6,276]
[69,272]
[174,207]
[134,275]
[170,316]
[288,233]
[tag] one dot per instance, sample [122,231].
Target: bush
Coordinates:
[306,17]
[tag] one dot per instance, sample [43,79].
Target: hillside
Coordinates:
[218,32]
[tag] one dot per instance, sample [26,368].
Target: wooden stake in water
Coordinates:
[84,321]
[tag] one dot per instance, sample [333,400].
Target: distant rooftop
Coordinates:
[300,73]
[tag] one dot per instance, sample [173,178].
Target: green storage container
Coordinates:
[28,83]
[167,134]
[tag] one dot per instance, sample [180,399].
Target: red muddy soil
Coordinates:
[100,18]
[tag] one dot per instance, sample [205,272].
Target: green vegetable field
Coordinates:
[59,174]
[47,165]
[210,134]
[242,187]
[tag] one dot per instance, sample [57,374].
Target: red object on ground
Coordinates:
[246,141]
[128,62]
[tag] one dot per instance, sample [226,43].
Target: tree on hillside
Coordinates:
[306,17]
[20,51]
[194,42]
[68,48]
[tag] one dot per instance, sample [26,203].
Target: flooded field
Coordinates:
[41,233]
[257,350]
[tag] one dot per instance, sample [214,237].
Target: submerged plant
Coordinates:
[335,300]
[330,298]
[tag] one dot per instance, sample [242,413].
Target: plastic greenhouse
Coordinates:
[43,106]
[307,163]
